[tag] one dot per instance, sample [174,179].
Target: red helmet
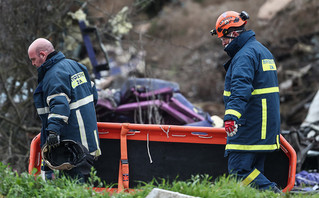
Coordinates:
[228,22]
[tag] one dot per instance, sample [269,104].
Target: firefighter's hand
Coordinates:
[53,139]
[231,127]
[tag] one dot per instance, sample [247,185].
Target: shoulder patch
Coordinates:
[78,79]
[268,65]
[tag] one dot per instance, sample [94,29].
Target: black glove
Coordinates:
[53,139]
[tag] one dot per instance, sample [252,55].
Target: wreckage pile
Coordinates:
[162,45]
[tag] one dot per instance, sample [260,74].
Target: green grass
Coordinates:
[13,184]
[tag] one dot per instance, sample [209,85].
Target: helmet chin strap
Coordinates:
[231,37]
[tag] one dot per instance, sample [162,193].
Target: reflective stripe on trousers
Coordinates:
[249,167]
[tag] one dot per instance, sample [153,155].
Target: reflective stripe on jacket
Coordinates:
[65,101]
[251,95]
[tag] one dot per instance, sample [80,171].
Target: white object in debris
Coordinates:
[160,193]
[270,8]
[313,113]
[218,122]
[79,15]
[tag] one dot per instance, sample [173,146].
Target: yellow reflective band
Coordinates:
[55,95]
[233,112]
[252,147]
[98,151]
[264,119]
[81,102]
[78,79]
[277,140]
[82,129]
[251,177]
[64,118]
[43,110]
[226,93]
[268,64]
[265,90]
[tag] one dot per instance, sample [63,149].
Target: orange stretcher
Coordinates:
[141,152]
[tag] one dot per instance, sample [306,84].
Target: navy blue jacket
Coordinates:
[65,99]
[251,95]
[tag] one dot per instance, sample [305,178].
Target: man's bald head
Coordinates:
[39,50]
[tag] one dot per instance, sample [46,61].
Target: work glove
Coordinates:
[231,127]
[53,139]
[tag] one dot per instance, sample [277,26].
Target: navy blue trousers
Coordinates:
[249,167]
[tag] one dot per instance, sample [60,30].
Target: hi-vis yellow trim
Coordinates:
[98,151]
[265,90]
[264,118]
[81,102]
[268,65]
[251,177]
[82,129]
[78,79]
[258,91]
[253,147]
[64,118]
[233,112]
[226,93]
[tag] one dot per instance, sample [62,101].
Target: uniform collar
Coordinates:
[238,43]
[50,62]
[51,55]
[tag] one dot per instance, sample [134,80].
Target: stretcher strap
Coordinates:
[123,179]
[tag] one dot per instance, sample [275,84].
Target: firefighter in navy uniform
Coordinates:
[65,99]
[251,97]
